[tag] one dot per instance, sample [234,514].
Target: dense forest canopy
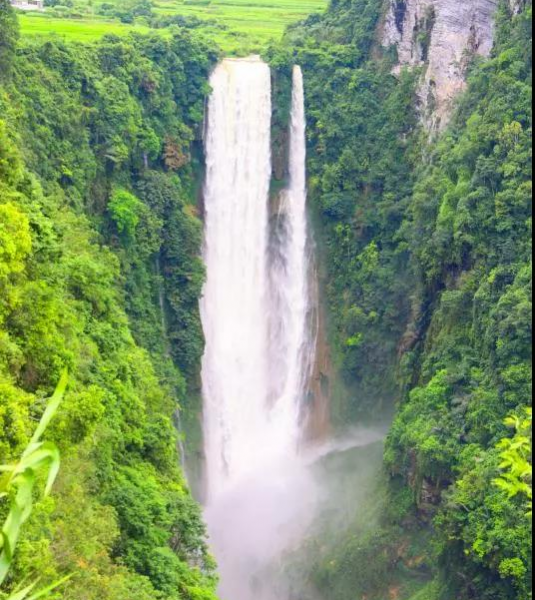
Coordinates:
[100,274]
[429,286]
[425,242]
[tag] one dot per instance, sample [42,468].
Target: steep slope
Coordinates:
[96,194]
[442,37]
[428,278]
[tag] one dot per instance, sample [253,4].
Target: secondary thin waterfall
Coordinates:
[291,347]
[255,307]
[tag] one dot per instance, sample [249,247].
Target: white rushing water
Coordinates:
[291,342]
[259,354]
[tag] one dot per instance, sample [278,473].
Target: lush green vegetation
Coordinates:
[363,127]
[428,259]
[427,248]
[18,484]
[86,30]
[99,274]
[238,26]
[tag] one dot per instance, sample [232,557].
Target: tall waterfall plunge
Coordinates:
[259,349]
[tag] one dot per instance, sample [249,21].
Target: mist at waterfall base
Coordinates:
[258,312]
[261,526]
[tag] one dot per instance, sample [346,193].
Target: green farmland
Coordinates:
[237,25]
[261,19]
[84,30]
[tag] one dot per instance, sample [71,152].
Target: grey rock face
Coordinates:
[441,36]
[517,6]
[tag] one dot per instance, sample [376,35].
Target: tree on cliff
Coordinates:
[9,35]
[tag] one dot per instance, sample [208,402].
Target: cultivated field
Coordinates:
[237,25]
[85,30]
[261,19]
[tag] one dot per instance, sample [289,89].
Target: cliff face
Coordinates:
[517,6]
[441,36]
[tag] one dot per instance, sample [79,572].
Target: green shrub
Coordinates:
[125,211]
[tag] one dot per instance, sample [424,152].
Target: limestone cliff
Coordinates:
[441,36]
[517,6]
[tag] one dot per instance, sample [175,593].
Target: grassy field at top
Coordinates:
[261,19]
[237,25]
[84,30]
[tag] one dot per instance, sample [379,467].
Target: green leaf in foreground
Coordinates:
[18,480]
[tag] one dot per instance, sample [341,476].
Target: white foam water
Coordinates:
[259,352]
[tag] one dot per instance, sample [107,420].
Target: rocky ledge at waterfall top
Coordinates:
[442,36]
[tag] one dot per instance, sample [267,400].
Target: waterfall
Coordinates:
[254,310]
[235,299]
[292,344]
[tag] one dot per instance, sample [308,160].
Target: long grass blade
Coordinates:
[51,408]
[22,478]
[22,594]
